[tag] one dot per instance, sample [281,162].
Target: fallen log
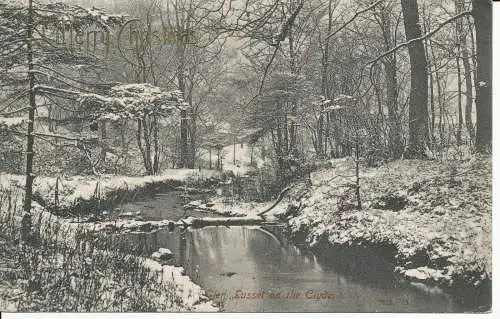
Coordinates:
[215,221]
[209,210]
[201,209]
[278,200]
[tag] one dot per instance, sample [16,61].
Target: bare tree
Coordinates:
[384,18]
[465,58]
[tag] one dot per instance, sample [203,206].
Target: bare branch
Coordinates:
[41,135]
[353,18]
[13,100]
[15,111]
[71,78]
[281,37]
[83,140]
[266,70]
[423,37]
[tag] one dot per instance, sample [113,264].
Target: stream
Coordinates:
[251,269]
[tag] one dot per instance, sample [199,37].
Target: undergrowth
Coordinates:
[46,272]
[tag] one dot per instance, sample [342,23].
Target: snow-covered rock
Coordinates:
[162,254]
[130,214]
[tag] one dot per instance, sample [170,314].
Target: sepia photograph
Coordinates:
[246,156]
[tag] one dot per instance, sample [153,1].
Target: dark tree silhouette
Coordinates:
[482,13]
[418,113]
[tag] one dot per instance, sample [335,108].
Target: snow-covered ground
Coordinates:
[437,215]
[73,189]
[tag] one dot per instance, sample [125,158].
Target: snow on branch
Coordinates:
[10,122]
[132,101]
[322,102]
[78,16]
[373,5]
[343,98]
[342,101]
[423,37]
[53,17]
[51,89]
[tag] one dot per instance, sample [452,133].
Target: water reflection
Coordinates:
[270,275]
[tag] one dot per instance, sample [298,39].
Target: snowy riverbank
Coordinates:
[80,193]
[437,216]
[175,291]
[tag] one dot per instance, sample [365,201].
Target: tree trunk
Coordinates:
[285,132]
[234,150]
[104,141]
[192,143]
[210,157]
[327,92]
[395,142]
[321,120]
[184,139]
[292,139]
[460,115]
[440,98]
[321,129]
[251,154]
[31,115]
[358,186]
[141,147]
[378,97]
[468,87]
[184,118]
[441,111]
[219,159]
[460,31]
[279,146]
[156,156]
[418,114]
[482,13]
[326,137]
[192,132]
[427,44]
[146,130]
[433,107]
